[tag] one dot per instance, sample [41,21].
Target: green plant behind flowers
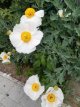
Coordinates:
[57,58]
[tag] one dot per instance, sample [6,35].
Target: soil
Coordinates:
[72,99]
[11,69]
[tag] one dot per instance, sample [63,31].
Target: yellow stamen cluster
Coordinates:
[5,57]
[26,36]
[51,97]
[30,12]
[35,87]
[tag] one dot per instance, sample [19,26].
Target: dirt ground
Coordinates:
[72,99]
[11,69]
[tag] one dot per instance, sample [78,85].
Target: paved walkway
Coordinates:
[12,94]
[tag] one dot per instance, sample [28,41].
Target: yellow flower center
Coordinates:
[56,88]
[51,98]
[26,36]
[30,12]
[5,57]
[35,87]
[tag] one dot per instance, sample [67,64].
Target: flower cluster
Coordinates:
[5,57]
[26,35]
[52,98]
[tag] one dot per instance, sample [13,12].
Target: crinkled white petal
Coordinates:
[6,61]
[22,27]
[50,89]
[42,88]
[38,35]
[25,50]
[43,103]
[51,105]
[59,94]
[33,79]
[40,13]
[36,21]
[15,38]
[2,54]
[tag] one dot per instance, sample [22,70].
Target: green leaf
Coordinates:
[71,4]
[57,4]
[36,64]
[37,2]
[43,60]
[78,31]
[53,17]
[76,12]
[50,63]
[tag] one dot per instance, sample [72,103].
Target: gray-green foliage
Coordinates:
[57,58]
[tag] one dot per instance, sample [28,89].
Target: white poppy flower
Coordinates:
[32,16]
[25,37]
[53,97]
[33,87]
[61,13]
[5,57]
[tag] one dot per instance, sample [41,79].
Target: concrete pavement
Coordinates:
[12,94]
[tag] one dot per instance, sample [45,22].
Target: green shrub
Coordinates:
[57,58]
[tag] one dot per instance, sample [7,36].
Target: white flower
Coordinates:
[53,97]
[68,14]
[5,57]
[32,16]
[33,87]
[25,37]
[61,13]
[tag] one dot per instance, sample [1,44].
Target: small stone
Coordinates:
[7,94]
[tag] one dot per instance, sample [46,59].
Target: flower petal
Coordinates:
[6,61]
[24,50]
[24,27]
[40,13]
[59,94]
[15,39]
[34,20]
[33,79]
[2,54]
[36,39]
